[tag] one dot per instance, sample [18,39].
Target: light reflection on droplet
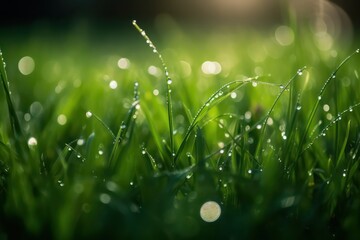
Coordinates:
[270,121]
[111,186]
[210,211]
[26,65]
[211,67]
[123,63]
[156,92]
[80,142]
[113,84]
[284,35]
[326,107]
[105,198]
[62,119]
[32,141]
[248,115]
[88,114]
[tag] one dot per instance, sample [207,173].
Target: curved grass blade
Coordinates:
[217,97]
[125,127]
[314,109]
[168,84]
[329,125]
[262,134]
[102,123]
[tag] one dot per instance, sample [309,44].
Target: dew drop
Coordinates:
[32,142]
[61,184]
[143,152]
[88,114]
[300,72]
[80,142]
[326,107]
[298,108]
[319,98]
[249,171]
[101,152]
[169,81]
[357,50]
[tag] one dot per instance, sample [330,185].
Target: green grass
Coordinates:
[273,137]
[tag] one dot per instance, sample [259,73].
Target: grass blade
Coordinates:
[20,142]
[168,85]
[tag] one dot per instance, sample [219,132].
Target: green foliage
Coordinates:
[279,152]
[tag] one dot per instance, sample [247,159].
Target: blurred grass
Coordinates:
[283,181]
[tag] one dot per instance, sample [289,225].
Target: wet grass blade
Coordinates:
[264,124]
[125,127]
[20,142]
[168,85]
[217,97]
[314,109]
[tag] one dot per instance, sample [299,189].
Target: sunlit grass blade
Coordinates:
[329,125]
[319,98]
[264,124]
[168,85]
[217,97]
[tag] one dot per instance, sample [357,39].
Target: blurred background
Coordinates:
[258,12]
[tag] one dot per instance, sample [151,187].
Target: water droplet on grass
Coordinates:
[32,142]
[298,108]
[80,142]
[113,84]
[169,81]
[61,184]
[88,114]
[326,107]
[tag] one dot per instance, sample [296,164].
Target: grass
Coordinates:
[273,137]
